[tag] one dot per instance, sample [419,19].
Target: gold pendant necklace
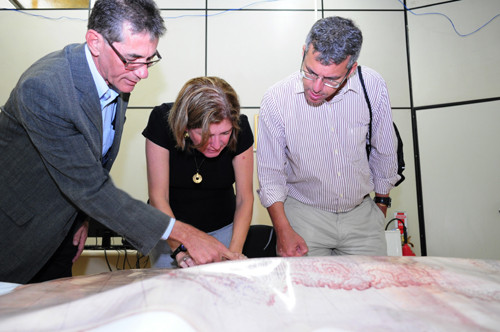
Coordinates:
[197,178]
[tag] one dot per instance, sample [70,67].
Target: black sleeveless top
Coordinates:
[208,205]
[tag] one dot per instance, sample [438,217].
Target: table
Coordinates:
[342,293]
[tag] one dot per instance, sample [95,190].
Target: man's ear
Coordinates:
[353,69]
[95,42]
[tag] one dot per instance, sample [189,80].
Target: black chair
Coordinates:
[261,242]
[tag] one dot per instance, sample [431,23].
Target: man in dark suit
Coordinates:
[60,132]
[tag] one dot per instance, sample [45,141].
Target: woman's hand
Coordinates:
[241,256]
[184,260]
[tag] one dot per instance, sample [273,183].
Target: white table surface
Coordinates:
[344,293]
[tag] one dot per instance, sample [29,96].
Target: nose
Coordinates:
[317,85]
[142,72]
[215,142]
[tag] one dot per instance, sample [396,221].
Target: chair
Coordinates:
[261,242]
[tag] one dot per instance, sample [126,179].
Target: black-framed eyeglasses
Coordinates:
[134,65]
[327,82]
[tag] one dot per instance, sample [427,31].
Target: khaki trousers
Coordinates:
[360,231]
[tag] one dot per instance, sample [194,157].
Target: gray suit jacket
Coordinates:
[50,166]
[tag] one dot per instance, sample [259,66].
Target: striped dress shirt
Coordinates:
[317,154]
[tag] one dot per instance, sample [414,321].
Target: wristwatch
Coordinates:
[383,200]
[178,250]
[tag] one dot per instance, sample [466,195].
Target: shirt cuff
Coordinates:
[169,229]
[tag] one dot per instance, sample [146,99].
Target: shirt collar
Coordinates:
[102,87]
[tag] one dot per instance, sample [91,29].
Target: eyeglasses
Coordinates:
[133,65]
[326,81]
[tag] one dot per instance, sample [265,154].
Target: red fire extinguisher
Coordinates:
[406,250]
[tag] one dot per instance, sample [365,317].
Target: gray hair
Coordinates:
[107,18]
[335,38]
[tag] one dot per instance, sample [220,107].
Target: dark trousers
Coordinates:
[61,263]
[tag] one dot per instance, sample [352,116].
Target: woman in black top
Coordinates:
[199,151]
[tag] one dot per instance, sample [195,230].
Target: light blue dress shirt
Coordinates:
[108,99]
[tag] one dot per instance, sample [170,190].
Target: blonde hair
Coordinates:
[201,102]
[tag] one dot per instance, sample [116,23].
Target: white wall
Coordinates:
[254,47]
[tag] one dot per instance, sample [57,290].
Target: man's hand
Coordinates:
[290,244]
[383,208]
[202,248]
[79,239]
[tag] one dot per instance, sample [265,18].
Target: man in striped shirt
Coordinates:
[314,174]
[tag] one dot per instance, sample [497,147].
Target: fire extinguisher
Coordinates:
[406,249]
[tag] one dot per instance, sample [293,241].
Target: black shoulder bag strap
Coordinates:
[400,157]
[369,143]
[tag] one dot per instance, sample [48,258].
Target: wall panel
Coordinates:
[384,49]
[264,5]
[404,197]
[361,4]
[183,57]
[449,68]
[252,57]
[27,36]
[460,179]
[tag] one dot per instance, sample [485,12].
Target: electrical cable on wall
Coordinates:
[224,11]
[263,1]
[257,2]
[450,20]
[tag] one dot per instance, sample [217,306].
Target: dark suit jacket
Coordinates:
[50,166]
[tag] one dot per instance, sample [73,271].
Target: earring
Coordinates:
[186,135]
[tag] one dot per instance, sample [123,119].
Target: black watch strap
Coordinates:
[383,200]
[178,250]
